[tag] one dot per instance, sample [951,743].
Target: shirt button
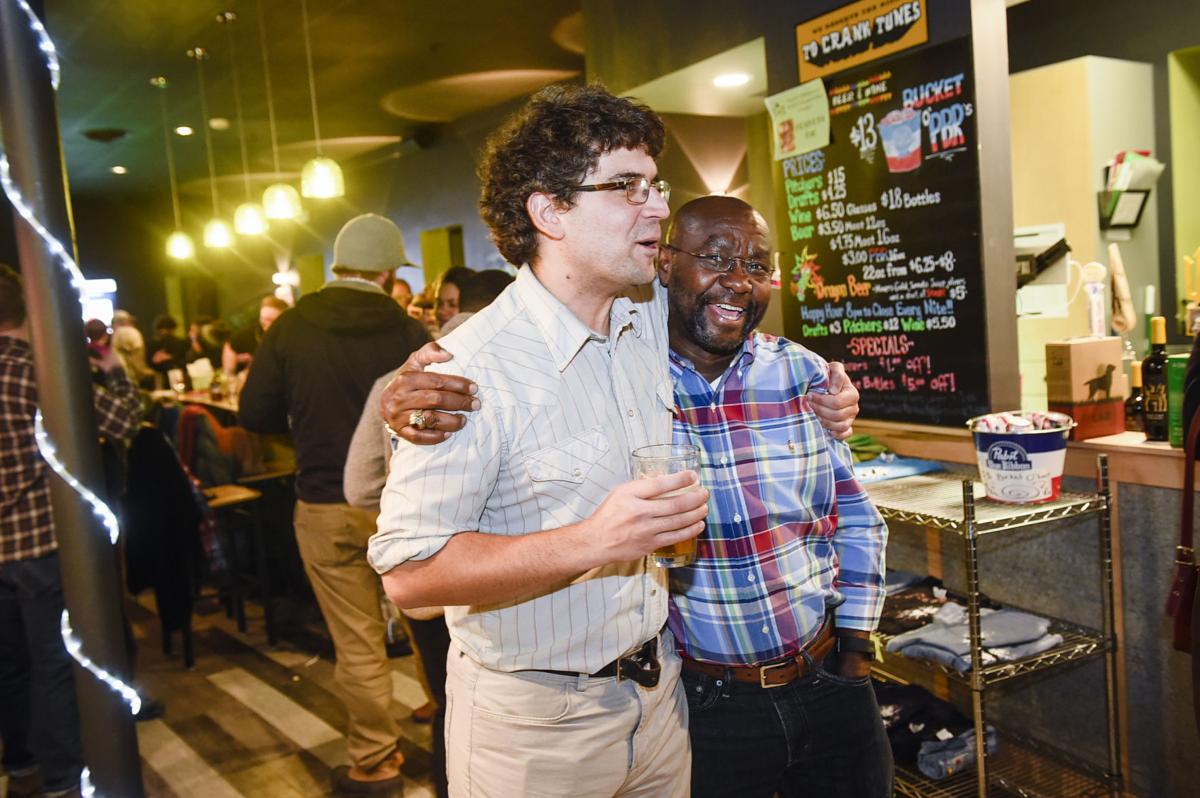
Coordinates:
[750,578]
[766,630]
[630,412]
[578,472]
[737,518]
[724,460]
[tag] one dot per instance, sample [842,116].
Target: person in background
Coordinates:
[209,341]
[123,318]
[167,350]
[476,293]
[239,349]
[402,292]
[422,309]
[449,292]
[310,376]
[99,337]
[365,475]
[39,716]
[130,347]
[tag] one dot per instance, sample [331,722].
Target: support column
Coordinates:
[29,121]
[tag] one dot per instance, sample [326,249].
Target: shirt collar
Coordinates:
[354,283]
[741,361]
[561,329]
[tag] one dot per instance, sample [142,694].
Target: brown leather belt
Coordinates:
[772,674]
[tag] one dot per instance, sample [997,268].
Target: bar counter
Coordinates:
[1158,736]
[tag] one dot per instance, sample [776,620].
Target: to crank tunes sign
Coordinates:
[858,33]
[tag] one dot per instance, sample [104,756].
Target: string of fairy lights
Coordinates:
[107,517]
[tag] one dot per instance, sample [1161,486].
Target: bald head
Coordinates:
[702,213]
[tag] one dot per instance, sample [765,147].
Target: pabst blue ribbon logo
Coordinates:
[1007,456]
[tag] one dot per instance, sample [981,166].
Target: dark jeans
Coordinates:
[39,717]
[819,736]
[431,639]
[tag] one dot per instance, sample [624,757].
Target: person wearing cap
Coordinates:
[310,376]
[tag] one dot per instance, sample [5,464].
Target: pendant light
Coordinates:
[249,218]
[217,233]
[179,243]
[280,200]
[321,177]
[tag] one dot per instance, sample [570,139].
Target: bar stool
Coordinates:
[241,500]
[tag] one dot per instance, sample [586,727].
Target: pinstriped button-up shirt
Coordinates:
[562,408]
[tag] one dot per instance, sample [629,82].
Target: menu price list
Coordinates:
[880,255]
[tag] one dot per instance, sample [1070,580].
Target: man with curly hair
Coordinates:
[527,525]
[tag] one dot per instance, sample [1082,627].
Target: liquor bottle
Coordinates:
[1135,405]
[1154,381]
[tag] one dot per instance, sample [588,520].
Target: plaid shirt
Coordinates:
[789,531]
[26,524]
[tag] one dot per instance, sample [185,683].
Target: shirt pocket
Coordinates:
[568,461]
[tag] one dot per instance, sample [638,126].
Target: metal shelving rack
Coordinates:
[1021,767]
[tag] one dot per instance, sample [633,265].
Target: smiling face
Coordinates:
[610,242]
[447,302]
[711,314]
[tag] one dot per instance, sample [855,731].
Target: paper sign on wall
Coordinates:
[858,33]
[799,119]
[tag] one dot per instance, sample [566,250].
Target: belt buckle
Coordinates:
[762,673]
[641,666]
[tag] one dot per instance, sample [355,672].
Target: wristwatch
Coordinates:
[859,645]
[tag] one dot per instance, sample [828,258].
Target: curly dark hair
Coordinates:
[548,146]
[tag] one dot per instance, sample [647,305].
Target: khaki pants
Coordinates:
[333,544]
[537,734]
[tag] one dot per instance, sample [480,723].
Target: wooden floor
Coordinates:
[251,720]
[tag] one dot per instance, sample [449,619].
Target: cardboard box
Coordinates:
[1085,370]
[1176,375]
[1093,418]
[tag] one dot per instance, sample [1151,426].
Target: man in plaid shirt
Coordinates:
[39,718]
[773,618]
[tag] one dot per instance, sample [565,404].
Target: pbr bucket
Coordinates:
[1022,466]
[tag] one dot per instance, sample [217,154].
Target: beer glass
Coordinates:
[662,460]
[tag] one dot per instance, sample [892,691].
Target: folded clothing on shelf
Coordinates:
[942,758]
[897,581]
[1008,635]
[913,716]
[911,607]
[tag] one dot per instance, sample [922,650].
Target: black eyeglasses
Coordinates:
[637,189]
[723,264]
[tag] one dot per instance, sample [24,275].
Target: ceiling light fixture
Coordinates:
[184,130]
[731,80]
[249,219]
[119,170]
[179,243]
[219,123]
[217,234]
[321,177]
[280,200]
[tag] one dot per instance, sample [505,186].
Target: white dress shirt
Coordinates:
[561,410]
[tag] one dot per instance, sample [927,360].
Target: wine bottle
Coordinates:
[1154,381]
[1135,405]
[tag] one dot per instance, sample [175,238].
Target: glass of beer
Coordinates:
[662,460]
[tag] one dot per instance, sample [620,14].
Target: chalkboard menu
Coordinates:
[879,246]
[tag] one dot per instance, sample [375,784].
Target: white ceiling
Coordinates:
[690,90]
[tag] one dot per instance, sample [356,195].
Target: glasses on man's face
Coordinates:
[723,264]
[637,189]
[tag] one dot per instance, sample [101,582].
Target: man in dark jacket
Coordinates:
[310,376]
